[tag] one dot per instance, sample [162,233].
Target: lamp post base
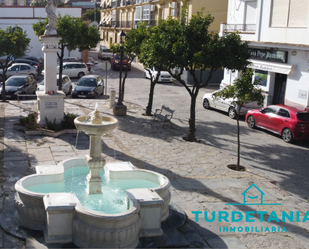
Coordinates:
[120,110]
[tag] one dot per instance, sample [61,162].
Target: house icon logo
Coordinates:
[246,197]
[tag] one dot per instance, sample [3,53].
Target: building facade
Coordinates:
[25,16]
[117,15]
[278,33]
[15,2]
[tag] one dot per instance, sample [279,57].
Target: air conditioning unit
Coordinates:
[152,7]
[174,5]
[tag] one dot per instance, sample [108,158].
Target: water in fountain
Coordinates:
[113,198]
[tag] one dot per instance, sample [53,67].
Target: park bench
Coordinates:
[164,114]
[23,95]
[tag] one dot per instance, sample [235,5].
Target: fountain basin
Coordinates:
[84,124]
[146,208]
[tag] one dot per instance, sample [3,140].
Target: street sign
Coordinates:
[106,65]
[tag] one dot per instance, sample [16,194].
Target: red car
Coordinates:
[289,122]
[115,62]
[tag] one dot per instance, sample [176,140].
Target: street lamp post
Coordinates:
[120,109]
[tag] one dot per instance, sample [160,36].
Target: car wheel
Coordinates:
[251,122]
[81,74]
[206,104]
[70,91]
[287,135]
[232,113]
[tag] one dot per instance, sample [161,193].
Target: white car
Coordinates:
[73,69]
[226,105]
[164,75]
[66,84]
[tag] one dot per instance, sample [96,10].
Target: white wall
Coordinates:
[24,17]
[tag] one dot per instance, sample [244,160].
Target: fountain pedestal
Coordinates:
[94,180]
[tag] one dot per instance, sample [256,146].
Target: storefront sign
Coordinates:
[268,55]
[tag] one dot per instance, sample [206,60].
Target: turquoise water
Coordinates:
[113,199]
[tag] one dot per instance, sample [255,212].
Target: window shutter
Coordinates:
[298,13]
[279,14]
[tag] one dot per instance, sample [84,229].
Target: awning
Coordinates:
[102,21]
[270,66]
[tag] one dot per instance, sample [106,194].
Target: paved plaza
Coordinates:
[198,172]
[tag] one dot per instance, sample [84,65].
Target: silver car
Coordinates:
[20,69]
[227,105]
[66,84]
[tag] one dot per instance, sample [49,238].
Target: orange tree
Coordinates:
[192,47]
[242,91]
[13,44]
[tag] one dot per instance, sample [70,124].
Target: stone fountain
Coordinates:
[51,201]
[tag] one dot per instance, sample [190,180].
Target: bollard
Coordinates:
[112,98]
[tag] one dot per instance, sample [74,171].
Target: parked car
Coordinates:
[66,84]
[73,69]
[289,122]
[163,77]
[19,84]
[105,53]
[90,86]
[30,62]
[226,105]
[20,68]
[115,62]
[75,59]
[36,60]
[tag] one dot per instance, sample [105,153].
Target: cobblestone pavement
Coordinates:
[200,179]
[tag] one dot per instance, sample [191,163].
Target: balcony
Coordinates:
[249,28]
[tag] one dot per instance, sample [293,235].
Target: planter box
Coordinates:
[43,132]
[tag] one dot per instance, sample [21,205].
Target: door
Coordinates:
[265,118]
[25,69]
[279,89]
[281,120]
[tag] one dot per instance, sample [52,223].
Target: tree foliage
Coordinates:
[242,91]
[39,3]
[13,44]
[74,33]
[89,15]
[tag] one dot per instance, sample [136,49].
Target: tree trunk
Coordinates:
[238,140]
[60,68]
[191,134]
[3,87]
[150,100]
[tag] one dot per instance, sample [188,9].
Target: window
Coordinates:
[261,76]
[15,2]
[23,67]
[289,13]
[283,113]
[138,13]
[146,12]
[269,109]
[28,2]
[2,2]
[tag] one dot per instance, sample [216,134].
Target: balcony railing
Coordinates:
[239,27]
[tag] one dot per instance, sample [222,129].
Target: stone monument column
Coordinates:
[51,101]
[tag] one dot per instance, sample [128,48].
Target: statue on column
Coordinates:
[50,9]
